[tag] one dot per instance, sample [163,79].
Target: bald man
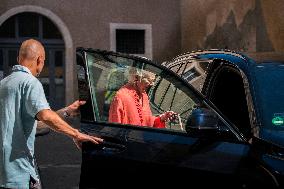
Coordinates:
[22,102]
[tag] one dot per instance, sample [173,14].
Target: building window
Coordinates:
[25,25]
[131,39]
[7,29]
[49,30]
[28,25]
[190,74]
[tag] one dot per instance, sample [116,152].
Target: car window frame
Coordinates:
[165,70]
[215,67]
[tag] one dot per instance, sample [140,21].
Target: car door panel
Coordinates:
[149,156]
[157,155]
[185,151]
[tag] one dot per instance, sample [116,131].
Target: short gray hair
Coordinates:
[134,72]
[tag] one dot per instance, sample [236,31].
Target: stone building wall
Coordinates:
[246,25]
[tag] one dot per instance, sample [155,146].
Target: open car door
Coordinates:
[199,147]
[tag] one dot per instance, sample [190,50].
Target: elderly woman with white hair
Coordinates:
[131,104]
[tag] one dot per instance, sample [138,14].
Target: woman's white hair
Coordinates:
[135,73]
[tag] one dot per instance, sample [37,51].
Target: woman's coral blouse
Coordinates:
[126,109]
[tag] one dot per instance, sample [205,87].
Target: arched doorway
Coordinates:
[27,25]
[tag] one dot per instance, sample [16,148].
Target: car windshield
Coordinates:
[269,91]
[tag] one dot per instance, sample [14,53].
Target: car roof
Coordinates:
[196,54]
[230,55]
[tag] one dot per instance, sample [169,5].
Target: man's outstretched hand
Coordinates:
[81,137]
[73,109]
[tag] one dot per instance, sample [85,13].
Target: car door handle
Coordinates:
[105,147]
[112,147]
[107,144]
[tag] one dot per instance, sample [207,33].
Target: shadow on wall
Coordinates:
[250,35]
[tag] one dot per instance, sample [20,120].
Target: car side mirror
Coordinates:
[202,122]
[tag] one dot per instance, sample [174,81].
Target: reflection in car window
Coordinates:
[192,69]
[191,74]
[167,96]
[110,73]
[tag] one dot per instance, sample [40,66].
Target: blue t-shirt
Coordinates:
[21,98]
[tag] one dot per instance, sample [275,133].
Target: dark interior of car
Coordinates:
[84,93]
[228,94]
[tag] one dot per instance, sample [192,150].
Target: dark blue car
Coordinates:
[247,89]
[229,131]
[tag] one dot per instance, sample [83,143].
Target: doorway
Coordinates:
[27,25]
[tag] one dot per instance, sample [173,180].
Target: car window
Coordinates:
[165,95]
[230,96]
[111,74]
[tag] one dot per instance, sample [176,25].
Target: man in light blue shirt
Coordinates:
[22,101]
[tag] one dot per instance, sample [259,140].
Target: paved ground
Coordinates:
[59,161]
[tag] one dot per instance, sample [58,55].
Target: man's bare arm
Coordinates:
[53,120]
[42,125]
[72,111]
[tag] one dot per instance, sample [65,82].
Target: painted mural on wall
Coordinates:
[249,35]
[246,25]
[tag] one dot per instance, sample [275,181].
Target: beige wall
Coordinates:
[88,22]
[273,15]
[249,25]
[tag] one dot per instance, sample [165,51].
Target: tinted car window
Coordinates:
[168,96]
[108,73]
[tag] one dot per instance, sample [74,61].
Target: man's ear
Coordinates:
[38,60]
